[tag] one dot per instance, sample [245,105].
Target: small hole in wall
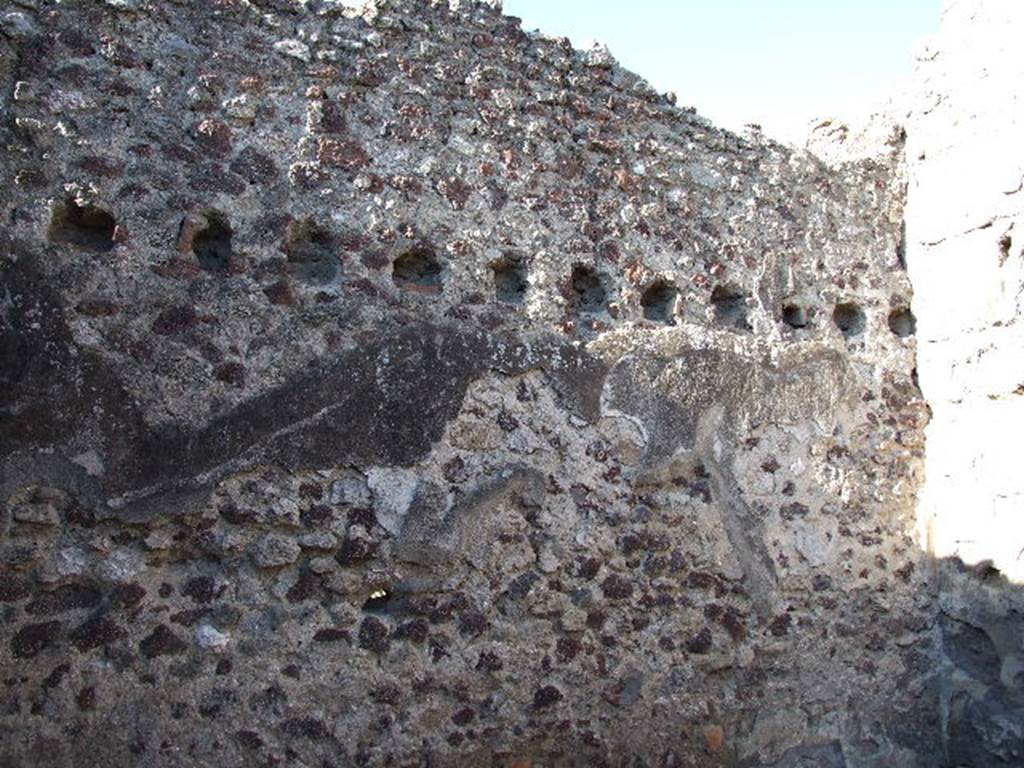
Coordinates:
[418,271]
[659,302]
[849,319]
[509,281]
[589,296]
[794,315]
[902,322]
[212,243]
[87,226]
[730,307]
[377,602]
[1005,244]
[311,252]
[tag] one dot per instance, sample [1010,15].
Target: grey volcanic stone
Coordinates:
[273,551]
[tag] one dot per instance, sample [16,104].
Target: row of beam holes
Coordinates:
[310,248]
[92,229]
[850,319]
[589,297]
[418,270]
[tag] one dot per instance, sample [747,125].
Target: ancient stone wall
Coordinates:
[393,387]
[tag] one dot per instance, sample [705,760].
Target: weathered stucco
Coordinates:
[393,387]
[965,224]
[965,215]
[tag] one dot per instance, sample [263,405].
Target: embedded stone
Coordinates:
[274,551]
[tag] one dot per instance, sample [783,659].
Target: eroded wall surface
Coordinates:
[396,388]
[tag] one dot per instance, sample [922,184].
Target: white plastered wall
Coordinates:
[965,255]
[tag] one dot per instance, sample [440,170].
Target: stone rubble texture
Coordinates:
[387,386]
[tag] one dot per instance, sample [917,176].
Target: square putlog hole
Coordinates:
[509,281]
[417,271]
[86,226]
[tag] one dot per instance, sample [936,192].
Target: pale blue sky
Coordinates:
[779,63]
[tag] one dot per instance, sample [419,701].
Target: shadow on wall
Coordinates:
[980,636]
[974,680]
